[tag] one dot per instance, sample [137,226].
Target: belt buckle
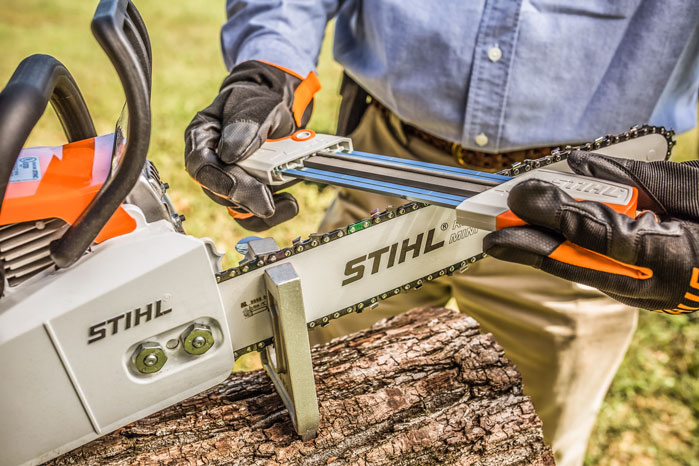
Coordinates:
[457,151]
[471,159]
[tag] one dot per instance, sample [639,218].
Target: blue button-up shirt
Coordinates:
[494,75]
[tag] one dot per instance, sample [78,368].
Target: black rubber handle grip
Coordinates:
[120,31]
[38,80]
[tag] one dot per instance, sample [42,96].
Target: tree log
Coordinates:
[421,388]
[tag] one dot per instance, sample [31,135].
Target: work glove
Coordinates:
[651,262]
[257,101]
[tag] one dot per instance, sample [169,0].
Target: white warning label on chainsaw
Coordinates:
[27,168]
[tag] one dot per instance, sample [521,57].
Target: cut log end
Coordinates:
[424,387]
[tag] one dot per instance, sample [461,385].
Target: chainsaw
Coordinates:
[110,312]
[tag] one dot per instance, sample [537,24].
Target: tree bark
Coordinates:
[421,388]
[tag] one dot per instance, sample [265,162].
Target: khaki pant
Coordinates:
[566,339]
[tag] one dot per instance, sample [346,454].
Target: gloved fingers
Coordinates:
[201,141]
[250,193]
[218,199]
[648,301]
[229,183]
[551,253]
[524,245]
[667,188]
[285,209]
[203,132]
[633,286]
[634,283]
[257,105]
[249,118]
[591,225]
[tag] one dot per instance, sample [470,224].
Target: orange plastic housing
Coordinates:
[59,182]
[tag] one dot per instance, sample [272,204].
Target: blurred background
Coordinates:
[651,413]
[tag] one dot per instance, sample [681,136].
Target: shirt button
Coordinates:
[481,139]
[494,53]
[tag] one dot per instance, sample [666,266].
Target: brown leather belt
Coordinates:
[466,157]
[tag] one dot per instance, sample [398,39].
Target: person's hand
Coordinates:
[257,101]
[652,261]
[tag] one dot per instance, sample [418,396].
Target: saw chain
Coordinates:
[318,240]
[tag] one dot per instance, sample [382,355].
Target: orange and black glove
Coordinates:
[651,262]
[257,101]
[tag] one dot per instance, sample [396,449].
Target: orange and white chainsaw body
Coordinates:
[68,337]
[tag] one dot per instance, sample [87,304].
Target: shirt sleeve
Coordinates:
[288,33]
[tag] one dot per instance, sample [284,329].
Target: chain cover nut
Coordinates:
[197,339]
[149,358]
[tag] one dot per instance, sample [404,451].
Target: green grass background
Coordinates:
[650,415]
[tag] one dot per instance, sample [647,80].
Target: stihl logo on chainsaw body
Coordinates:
[127,320]
[388,256]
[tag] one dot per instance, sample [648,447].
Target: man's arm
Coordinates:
[288,33]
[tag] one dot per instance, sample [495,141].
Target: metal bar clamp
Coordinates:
[288,362]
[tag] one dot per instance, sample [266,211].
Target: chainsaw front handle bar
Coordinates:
[38,80]
[120,31]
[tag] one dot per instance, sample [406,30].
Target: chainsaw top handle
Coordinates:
[120,31]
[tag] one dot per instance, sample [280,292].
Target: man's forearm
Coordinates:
[287,33]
